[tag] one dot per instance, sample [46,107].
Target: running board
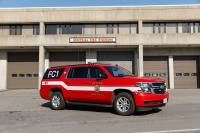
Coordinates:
[89,104]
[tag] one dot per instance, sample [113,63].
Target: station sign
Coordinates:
[92,39]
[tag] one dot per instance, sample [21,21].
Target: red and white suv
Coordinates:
[102,84]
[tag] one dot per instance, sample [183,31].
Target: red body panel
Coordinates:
[83,90]
[141,97]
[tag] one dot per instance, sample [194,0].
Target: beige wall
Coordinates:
[100,14]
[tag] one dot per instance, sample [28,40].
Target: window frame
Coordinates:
[15,29]
[106,76]
[71,71]
[110,28]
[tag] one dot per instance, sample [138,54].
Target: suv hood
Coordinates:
[144,79]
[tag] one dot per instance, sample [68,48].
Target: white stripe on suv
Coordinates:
[88,88]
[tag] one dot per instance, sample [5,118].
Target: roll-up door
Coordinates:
[156,66]
[66,58]
[22,70]
[121,58]
[186,72]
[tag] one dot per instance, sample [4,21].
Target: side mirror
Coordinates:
[101,77]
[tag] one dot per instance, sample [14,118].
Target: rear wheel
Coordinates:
[57,101]
[124,104]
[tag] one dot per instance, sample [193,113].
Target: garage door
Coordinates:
[186,71]
[66,58]
[124,59]
[156,67]
[22,70]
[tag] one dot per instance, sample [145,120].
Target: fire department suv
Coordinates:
[102,84]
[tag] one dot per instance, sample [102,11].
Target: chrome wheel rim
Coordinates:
[123,104]
[56,101]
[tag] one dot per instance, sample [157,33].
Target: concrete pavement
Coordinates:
[23,111]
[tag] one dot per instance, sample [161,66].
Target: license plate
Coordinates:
[165,100]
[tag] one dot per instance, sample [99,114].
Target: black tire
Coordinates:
[118,109]
[61,102]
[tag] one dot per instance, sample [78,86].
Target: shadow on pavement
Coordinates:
[100,109]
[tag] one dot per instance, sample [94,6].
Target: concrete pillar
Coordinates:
[91,56]
[46,61]
[41,62]
[171,72]
[140,26]
[192,27]
[42,28]
[180,28]
[3,70]
[136,57]
[140,61]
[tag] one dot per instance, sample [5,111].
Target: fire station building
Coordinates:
[151,41]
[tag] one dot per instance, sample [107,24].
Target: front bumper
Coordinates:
[150,100]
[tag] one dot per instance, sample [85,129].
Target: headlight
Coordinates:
[146,87]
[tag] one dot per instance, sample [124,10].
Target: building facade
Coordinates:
[150,41]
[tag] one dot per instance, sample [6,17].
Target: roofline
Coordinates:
[76,7]
[89,64]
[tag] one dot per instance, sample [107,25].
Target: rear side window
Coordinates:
[53,74]
[79,72]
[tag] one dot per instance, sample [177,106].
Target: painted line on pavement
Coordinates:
[172,131]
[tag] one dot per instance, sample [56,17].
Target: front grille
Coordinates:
[159,91]
[158,88]
[157,84]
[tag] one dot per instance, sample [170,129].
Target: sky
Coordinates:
[71,3]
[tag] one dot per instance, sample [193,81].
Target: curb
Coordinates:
[3,90]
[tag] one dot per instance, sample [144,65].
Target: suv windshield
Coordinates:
[117,71]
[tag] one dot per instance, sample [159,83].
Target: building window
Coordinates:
[124,28]
[51,29]
[186,28]
[71,29]
[36,30]
[64,29]
[76,29]
[15,29]
[148,28]
[28,75]
[159,28]
[110,29]
[14,75]
[21,75]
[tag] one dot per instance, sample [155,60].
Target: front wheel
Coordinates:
[57,101]
[124,104]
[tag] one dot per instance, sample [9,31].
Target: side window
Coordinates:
[96,72]
[53,74]
[79,72]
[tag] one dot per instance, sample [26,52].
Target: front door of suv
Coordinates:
[101,92]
